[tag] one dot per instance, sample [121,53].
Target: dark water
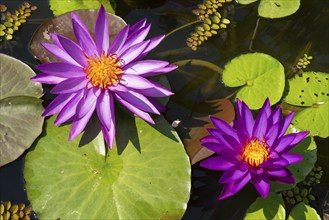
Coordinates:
[283,38]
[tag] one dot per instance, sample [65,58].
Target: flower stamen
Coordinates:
[104,71]
[255,152]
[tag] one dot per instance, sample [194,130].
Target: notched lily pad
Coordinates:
[21,121]
[63,25]
[259,75]
[147,182]
[302,211]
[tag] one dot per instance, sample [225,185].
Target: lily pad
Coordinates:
[62,25]
[21,108]
[275,8]
[148,179]
[272,207]
[311,90]
[308,150]
[260,75]
[303,212]
[62,6]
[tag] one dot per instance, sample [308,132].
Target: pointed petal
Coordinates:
[272,134]
[153,43]
[292,158]
[233,142]
[83,36]
[163,70]
[299,137]
[282,172]
[79,124]
[89,99]
[216,163]
[286,177]
[130,54]
[233,187]
[224,127]
[285,124]
[274,118]
[144,66]
[109,135]
[117,88]
[62,70]
[209,139]
[232,174]
[70,85]
[246,119]
[57,104]
[137,26]
[135,82]
[59,53]
[282,143]
[262,184]
[156,91]
[119,40]
[47,78]
[105,110]
[260,126]
[102,31]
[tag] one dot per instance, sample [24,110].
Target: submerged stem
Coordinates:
[181,27]
[195,62]
[254,35]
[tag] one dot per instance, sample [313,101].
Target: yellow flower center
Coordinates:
[103,71]
[255,152]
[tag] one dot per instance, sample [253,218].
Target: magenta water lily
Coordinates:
[254,150]
[94,73]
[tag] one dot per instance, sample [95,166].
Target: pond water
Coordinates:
[284,38]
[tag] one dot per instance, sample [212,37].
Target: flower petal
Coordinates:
[59,53]
[216,147]
[156,91]
[138,100]
[286,178]
[232,174]
[274,163]
[135,82]
[47,78]
[282,172]
[292,158]
[285,124]
[260,126]
[246,119]
[69,110]
[282,143]
[137,26]
[118,40]
[102,31]
[274,118]
[235,144]
[57,104]
[130,54]
[70,85]
[89,99]
[163,70]
[153,43]
[145,116]
[79,124]
[62,70]
[109,134]
[224,127]
[83,36]
[233,187]
[144,66]
[262,184]
[216,163]
[105,110]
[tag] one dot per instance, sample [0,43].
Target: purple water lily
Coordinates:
[256,150]
[94,73]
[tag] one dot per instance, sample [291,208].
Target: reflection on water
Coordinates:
[284,38]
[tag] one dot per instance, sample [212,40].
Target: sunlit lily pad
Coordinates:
[303,212]
[311,90]
[62,6]
[275,8]
[21,108]
[259,75]
[272,207]
[307,149]
[147,178]
[62,25]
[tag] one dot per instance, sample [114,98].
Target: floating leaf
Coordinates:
[148,179]
[62,25]
[260,76]
[21,108]
[274,8]
[303,212]
[311,90]
[272,207]
[307,149]
[224,110]
[62,6]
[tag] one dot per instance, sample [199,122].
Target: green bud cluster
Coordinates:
[303,62]
[15,211]
[302,192]
[208,8]
[213,22]
[12,21]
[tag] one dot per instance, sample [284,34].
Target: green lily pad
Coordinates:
[21,108]
[308,150]
[274,8]
[311,90]
[62,6]
[260,76]
[272,207]
[149,178]
[303,212]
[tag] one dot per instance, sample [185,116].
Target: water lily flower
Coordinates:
[254,150]
[94,73]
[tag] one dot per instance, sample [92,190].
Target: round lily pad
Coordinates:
[277,8]
[302,211]
[62,6]
[309,89]
[21,108]
[146,178]
[308,150]
[272,207]
[259,75]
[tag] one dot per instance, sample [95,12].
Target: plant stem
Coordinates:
[195,62]
[181,27]
[254,35]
